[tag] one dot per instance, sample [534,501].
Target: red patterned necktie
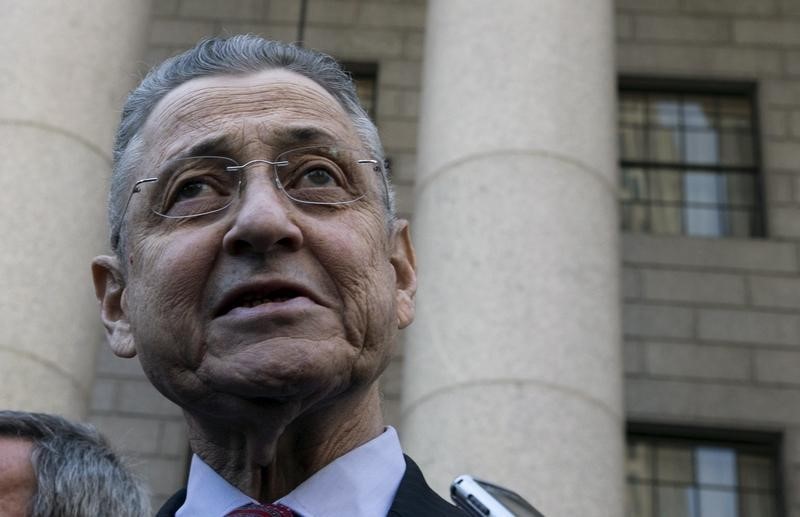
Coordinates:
[262,510]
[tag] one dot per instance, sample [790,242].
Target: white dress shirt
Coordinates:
[362,483]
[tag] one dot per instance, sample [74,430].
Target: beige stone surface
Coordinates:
[363,43]
[401,73]
[631,283]
[499,270]
[682,28]
[719,254]
[785,222]
[399,14]
[633,357]
[712,404]
[698,361]
[648,5]
[173,437]
[68,66]
[774,122]
[792,62]
[139,396]
[284,10]
[109,365]
[104,395]
[560,451]
[624,26]
[733,7]
[775,32]
[782,154]
[780,188]
[228,10]
[692,287]
[52,189]
[776,291]
[285,32]
[664,321]
[790,7]
[183,33]
[414,45]
[31,384]
[781,92]
[749,326]
[131,435]
[778,366]
[486,95]
[515,225]
[718,61]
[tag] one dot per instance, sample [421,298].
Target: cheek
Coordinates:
[166,298]
[360,267]
[174,269]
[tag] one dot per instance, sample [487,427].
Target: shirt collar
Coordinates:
[208,493]
[361,483]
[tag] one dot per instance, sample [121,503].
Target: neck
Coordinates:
[267,462]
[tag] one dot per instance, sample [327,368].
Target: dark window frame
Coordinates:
[718,88]
[762,442]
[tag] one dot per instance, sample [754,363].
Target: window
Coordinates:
[671,474]
[365,77]
[689,159]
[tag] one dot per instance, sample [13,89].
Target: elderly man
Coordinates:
[261,276]
[51,467]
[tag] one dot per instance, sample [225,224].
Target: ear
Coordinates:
[404,262]
[109,287]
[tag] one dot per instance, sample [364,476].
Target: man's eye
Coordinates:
[316,178]
[198,194]
[194,189]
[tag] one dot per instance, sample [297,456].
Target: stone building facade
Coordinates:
[691,343]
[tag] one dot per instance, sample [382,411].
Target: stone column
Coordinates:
[513,370]
[66,68]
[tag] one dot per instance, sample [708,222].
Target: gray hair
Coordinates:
[77,472]
[234,55]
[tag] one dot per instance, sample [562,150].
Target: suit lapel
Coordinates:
[414,498]
[172,504]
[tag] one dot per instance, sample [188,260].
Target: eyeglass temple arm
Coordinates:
[384,179]
[136,188]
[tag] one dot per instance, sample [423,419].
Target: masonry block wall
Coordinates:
[712,326]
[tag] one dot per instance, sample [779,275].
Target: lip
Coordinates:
[231,302]
[286,308]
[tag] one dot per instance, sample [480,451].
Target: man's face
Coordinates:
[17,479]
[269,308]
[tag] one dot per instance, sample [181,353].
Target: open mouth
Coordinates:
[254,297]
[281,295]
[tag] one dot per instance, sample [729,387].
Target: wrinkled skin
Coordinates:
[271,393]
[17,479]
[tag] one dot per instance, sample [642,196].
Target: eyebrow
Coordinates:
[213,145]
[293,136]
[281,139]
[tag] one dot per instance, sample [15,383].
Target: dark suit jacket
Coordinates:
[414,498]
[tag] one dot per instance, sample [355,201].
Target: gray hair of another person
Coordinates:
[77,472]
[235,55]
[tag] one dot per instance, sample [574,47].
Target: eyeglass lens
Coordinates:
[325,175]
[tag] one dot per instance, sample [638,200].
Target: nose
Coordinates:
[263,219]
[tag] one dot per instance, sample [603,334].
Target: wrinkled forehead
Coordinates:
[15,453]
[263,109]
